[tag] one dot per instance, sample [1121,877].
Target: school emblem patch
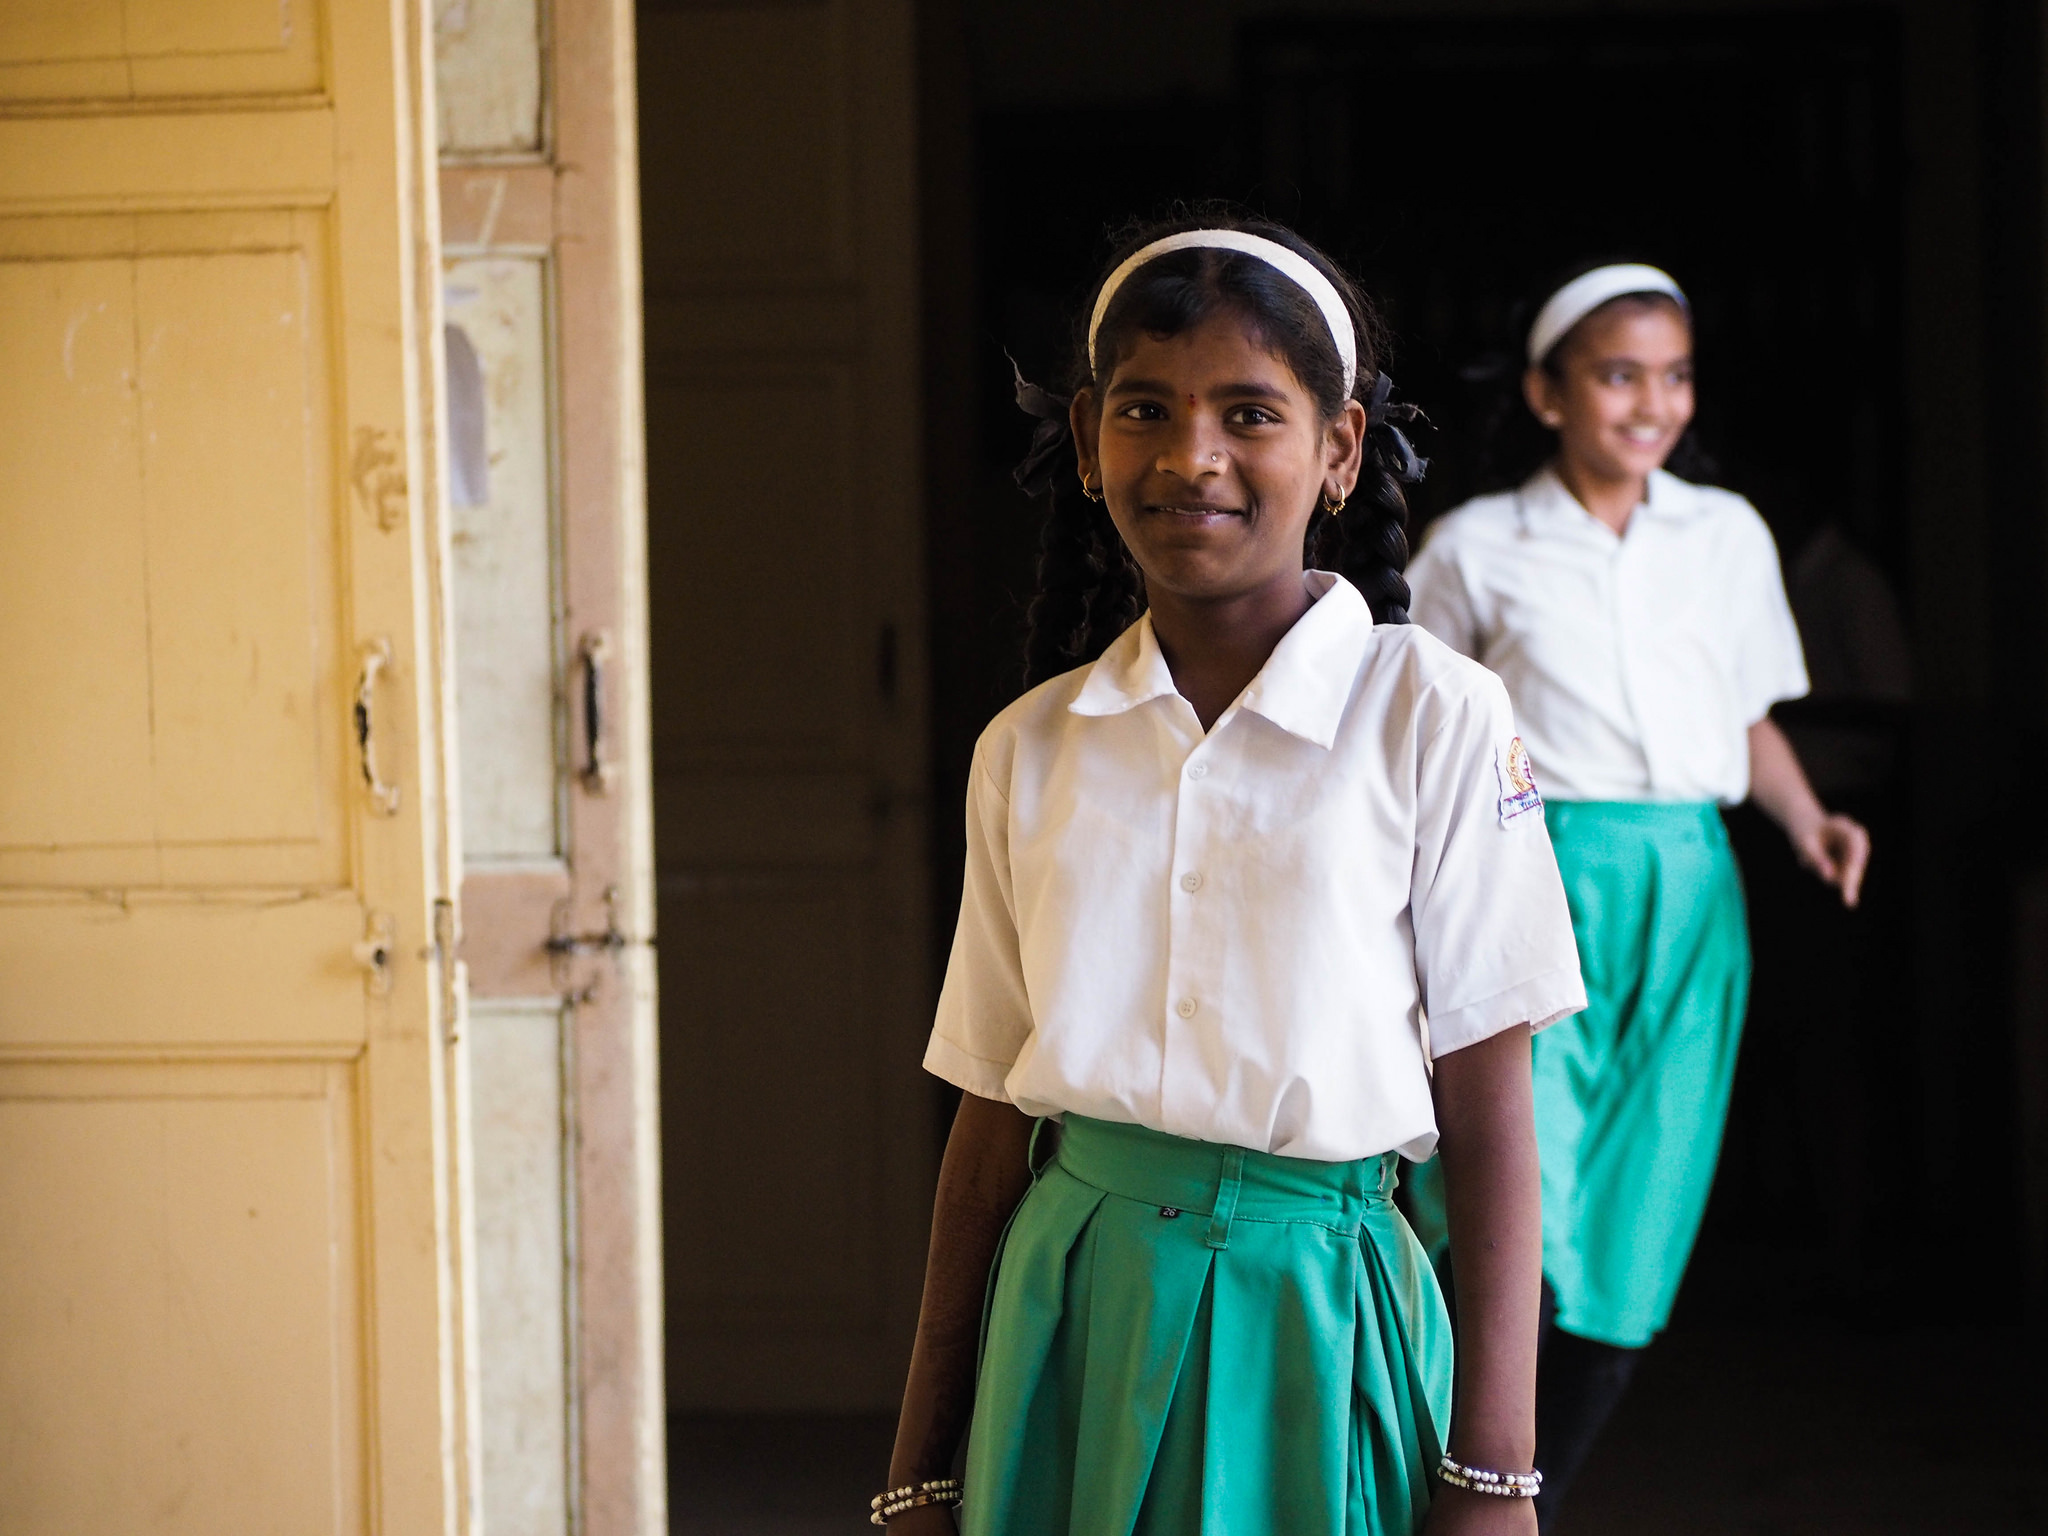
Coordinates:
[1518,796]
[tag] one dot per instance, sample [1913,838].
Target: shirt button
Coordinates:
[1198,771]
[1191,881]
[1186,1007]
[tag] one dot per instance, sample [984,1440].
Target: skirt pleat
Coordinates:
[1150,1370]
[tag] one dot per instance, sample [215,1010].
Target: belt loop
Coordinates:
[1226,1197]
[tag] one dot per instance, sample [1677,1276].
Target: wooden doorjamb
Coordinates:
[576,200]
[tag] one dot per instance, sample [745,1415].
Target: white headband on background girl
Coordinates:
[1292,263]
[1582,295]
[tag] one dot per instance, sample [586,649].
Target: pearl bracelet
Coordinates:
[1506,1485]
[937,1490]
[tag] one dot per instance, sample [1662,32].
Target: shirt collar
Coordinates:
[1664,497]
[1303,687]
[1131,672]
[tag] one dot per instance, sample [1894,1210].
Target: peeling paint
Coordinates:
[379,481]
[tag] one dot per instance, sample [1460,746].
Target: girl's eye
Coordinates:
[1252,416]
[1142,410]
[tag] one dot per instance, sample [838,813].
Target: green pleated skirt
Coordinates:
[1187,1338]
[1632,1094]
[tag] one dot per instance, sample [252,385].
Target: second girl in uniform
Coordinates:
[1640,624]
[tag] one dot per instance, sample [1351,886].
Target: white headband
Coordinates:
[1582,295]
[1273,254]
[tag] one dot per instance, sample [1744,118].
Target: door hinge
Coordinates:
[447,955]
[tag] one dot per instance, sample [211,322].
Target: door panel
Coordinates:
[518,1090]
[751,134]
[100,50]
[790,722]
[782,613]
[230,1260]
[158,369]
[507,637]
[187,969]
[490,66]
[178,1267]
[820,1173]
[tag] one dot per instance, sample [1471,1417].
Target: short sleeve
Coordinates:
[984,1014]
[1439,601]
[1769,664]
[1493,936]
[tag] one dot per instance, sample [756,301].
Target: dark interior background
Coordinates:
[1852,194]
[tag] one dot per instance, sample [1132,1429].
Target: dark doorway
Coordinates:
[1758,156]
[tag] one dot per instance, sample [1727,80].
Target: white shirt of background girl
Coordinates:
[1235,936]
[1636,662]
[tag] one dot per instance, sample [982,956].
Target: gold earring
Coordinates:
[1333,507]
[1088,490]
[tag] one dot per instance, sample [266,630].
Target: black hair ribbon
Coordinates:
[1384,439]
[1052,450]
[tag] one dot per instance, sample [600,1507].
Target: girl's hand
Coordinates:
[1837,848]
[1834,847]
[1454,1512]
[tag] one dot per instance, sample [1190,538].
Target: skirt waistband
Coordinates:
[1651,814]
[1224,1184]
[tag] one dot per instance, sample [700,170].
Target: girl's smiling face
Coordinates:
[1622,395]
[1211,456]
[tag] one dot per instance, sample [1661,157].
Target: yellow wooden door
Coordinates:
[231,1281]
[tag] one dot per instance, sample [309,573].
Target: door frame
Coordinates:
[578,200]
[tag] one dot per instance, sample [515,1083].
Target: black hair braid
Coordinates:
[1089,589]
[1367,543]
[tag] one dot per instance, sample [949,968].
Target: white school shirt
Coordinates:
[1636,662]
[1234,936]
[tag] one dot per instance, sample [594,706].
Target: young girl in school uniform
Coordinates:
[1640,624]
[1249,829]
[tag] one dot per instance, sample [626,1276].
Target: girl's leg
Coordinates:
[1578,1383]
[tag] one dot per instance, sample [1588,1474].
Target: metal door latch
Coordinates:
[597,773]
[563,944]
[375,656]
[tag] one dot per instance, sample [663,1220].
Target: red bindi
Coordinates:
[1191,402]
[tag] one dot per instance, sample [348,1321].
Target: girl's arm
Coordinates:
[984,1175]
[1488,1143]
[1837,848]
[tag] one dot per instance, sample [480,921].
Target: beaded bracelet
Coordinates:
[937,1490]
[1506,1485]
